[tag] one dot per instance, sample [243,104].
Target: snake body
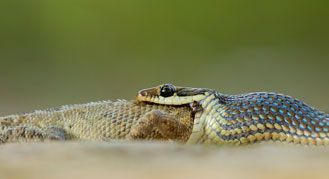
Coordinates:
[246,118]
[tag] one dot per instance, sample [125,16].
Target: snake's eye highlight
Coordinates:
[167,90]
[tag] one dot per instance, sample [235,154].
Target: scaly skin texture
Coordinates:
[106,120]
[187,115]
[256,117]
[246,118]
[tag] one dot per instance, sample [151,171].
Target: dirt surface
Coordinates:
[160,160]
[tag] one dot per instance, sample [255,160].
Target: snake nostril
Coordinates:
[143,93]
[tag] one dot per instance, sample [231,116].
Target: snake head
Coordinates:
[168,94]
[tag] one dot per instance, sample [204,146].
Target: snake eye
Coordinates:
[167,90]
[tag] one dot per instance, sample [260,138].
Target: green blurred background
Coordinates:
[57,52]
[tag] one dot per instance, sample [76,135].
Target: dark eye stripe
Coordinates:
[190,92]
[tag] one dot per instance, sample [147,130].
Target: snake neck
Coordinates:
[257,117]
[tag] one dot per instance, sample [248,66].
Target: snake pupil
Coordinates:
[167,90]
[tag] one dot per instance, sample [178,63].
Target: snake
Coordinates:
[244,118]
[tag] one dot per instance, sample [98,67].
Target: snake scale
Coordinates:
[245,118]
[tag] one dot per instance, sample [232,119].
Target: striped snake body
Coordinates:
[246,118]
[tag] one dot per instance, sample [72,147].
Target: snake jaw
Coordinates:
[179,96]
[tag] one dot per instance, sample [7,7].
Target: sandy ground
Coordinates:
[160,160]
